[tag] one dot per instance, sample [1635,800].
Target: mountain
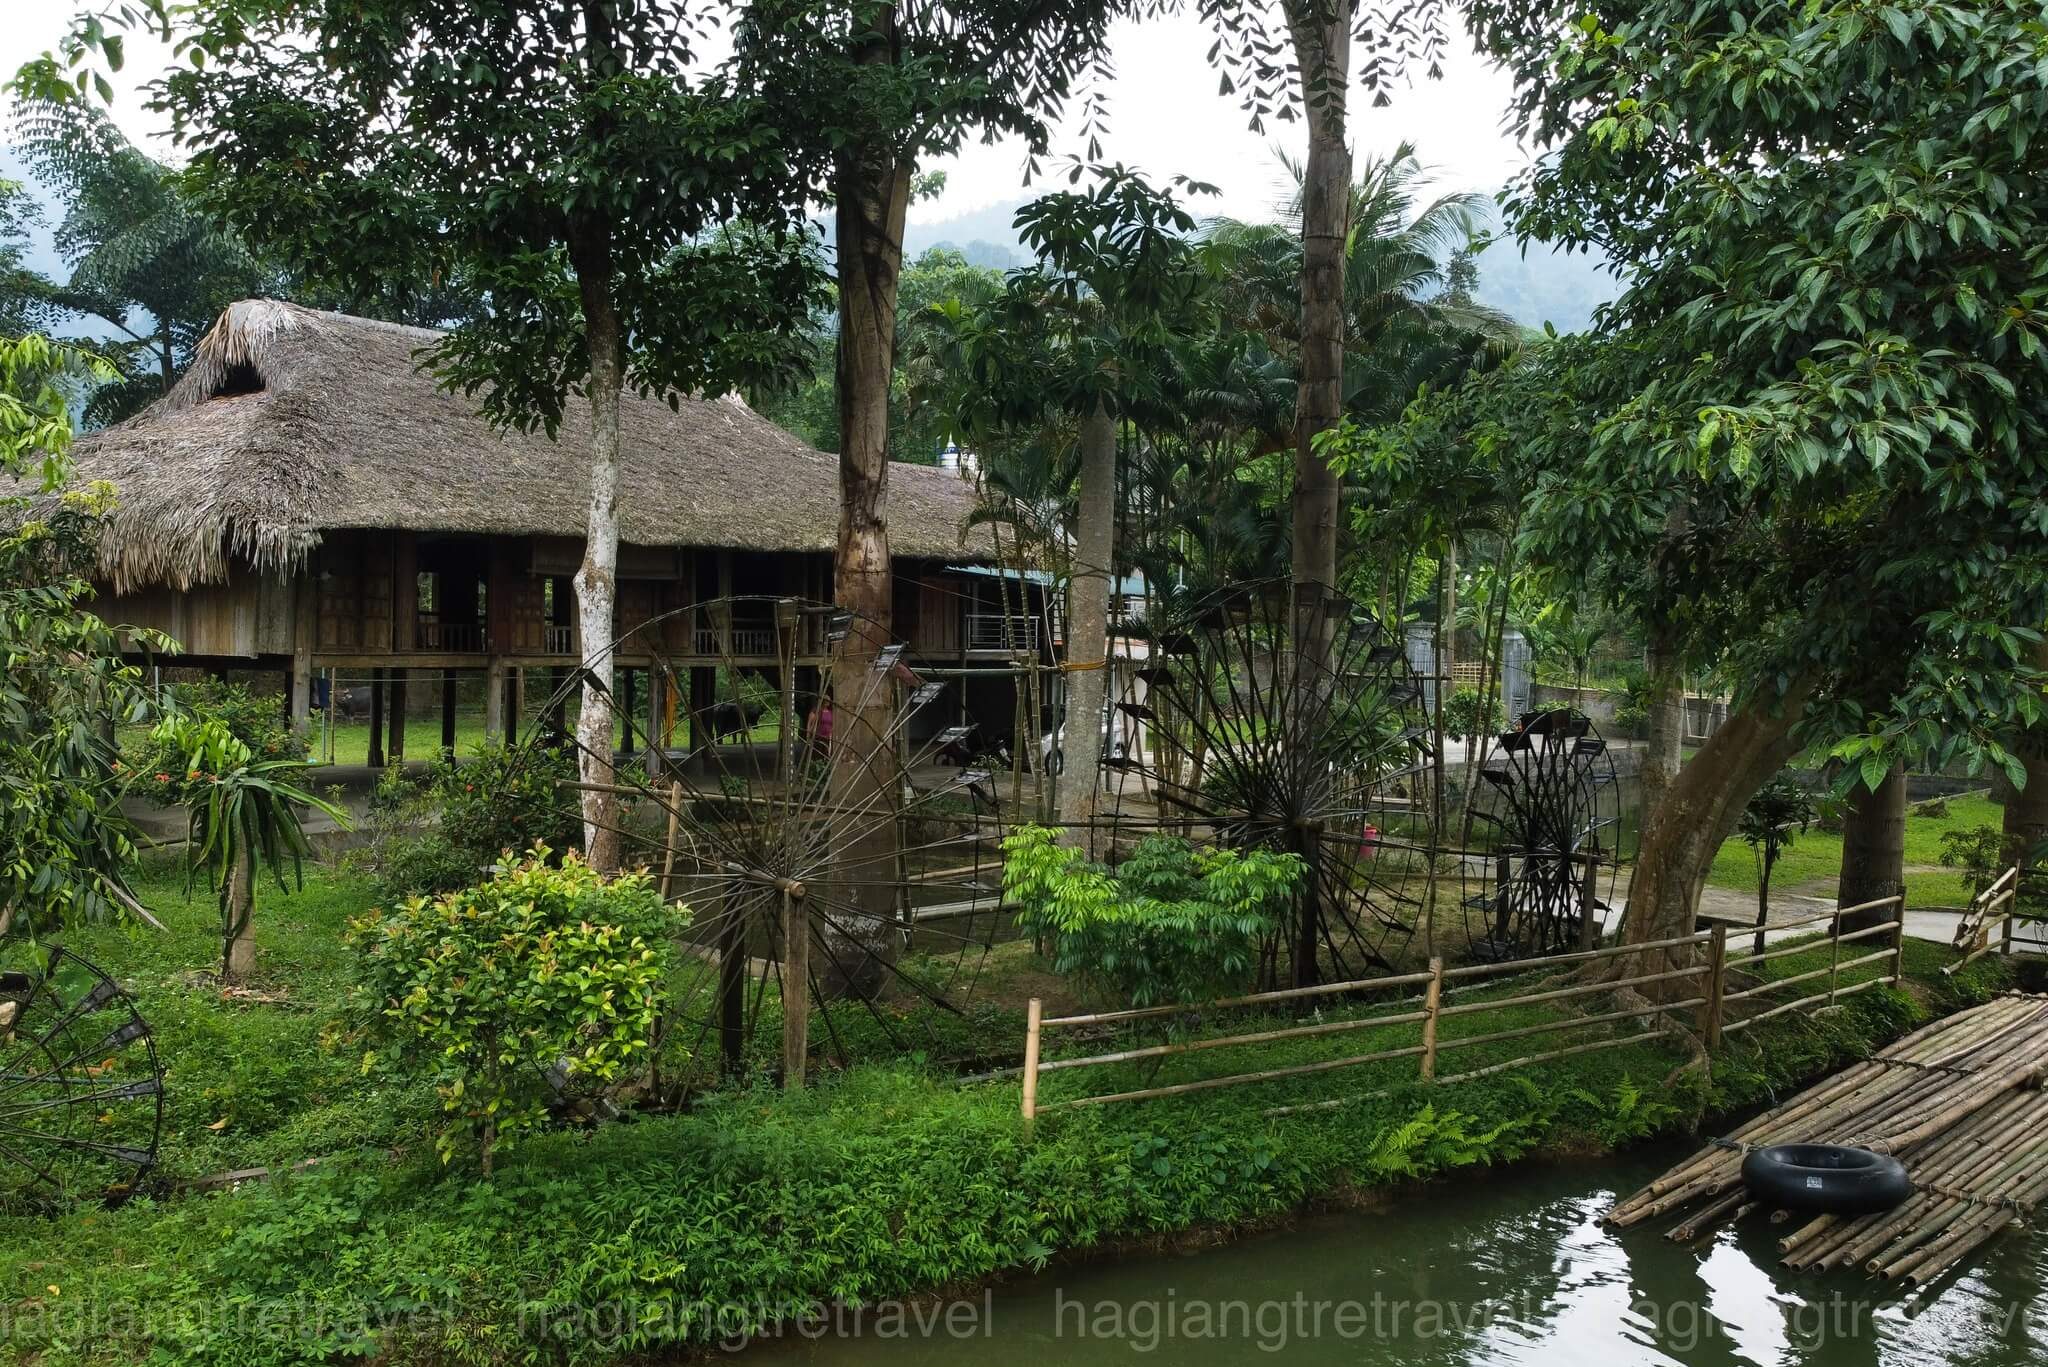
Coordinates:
[990,238]
[1544,284]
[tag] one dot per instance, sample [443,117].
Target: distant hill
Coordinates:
[1545,284]
[990,238]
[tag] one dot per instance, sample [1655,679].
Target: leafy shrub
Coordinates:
[1464,719]
[1780,810]
[448,828]
[491,990]
[160,760]
[1981,852]
[502,800]
[1173,924]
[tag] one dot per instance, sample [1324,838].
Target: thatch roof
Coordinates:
[291,423]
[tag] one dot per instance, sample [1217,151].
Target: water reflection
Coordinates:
[1498,1268]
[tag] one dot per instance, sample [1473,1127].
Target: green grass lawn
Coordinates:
[1815,857]
[252,1083]
[423,736]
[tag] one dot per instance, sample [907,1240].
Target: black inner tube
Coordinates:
[1825,1177]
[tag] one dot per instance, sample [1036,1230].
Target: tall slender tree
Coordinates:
[873,87]
[567,162]
[146,264]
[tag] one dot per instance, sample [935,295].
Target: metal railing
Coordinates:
[1001,631]
[453,637]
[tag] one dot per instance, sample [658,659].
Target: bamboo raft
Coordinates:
[1960,1103]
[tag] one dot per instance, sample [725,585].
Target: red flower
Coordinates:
[163,778]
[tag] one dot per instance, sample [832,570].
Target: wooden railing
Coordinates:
[739,641]
[452,637]
[1709,999]
[558,640]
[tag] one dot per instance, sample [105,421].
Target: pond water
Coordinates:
[1505,1267]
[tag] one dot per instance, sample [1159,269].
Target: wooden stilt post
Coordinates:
[785,722]
[305,627]
[448,711]
[1432,1005]
[395,744]
[657,721]
[494,700]
[626,710]
[1034,1016]
[375,755]
[1717,985]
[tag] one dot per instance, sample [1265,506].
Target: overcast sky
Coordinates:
[1166,118]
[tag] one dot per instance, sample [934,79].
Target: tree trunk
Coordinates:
[1322,46]
[1699,810]
[2026,809]
[238,953]
[872,190]
[597,578]
[1873,849]
[1662,753]
[1088,623]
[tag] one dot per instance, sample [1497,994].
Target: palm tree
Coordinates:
[1403,321]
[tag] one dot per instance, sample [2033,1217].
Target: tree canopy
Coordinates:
[1828,358]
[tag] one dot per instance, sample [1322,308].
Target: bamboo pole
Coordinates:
[1034,1013]
[1550,1054]
[668,845]
[1899,943]
[796,987]
[1432,1012]
[1717,987]
[1226,1041]
[1283,994]
[1237,1079]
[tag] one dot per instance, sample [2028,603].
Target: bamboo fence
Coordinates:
[1705,999]
[1973,932]
[1959,1102]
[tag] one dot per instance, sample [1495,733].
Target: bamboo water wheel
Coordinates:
[1246,742]
[790,795]
[1549,808]
[81,1087]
